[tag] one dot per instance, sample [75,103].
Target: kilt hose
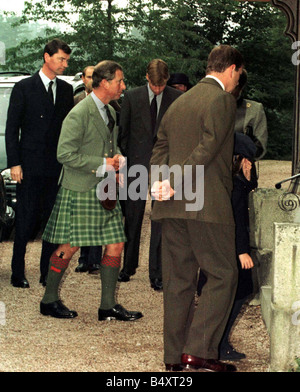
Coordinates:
[79,219]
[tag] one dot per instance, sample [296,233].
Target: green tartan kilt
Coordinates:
[79,219]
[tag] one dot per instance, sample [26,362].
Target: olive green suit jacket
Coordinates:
[85,141]
[198,129]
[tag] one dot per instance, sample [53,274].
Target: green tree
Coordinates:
[181,32]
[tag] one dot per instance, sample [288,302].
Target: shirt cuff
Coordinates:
[101,169]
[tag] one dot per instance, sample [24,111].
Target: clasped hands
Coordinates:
[162,190]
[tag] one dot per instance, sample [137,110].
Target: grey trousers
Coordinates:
[188,245]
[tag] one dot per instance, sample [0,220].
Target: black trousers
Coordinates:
[134,214]
[90,255]
[35,199]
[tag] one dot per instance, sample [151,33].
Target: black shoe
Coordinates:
[43,280]
[118,313]
[22,283]
[57,309]
[174,367]
[82,267]
[230,354]
[156,284]
[124,277]
[94,269]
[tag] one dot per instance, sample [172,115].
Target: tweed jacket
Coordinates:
[32,112]
[84,143]
[136,139]
[251,120]
[198,129]
[79,97]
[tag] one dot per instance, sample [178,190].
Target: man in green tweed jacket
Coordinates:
[88,151]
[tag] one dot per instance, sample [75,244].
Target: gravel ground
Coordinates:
[30,342]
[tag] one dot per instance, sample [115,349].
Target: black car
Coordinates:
[7,82]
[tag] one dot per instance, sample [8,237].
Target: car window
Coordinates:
[4,102]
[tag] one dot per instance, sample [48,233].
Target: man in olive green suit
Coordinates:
[88,151]
[197,131]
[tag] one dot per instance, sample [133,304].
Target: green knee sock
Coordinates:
[57,268]
[109,272]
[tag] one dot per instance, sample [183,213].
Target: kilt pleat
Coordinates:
[79,219]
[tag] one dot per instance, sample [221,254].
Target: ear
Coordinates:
[147,77]
[46,57]
[232,68]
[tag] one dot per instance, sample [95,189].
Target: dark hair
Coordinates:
[222,57]
[105,70]
[53,47]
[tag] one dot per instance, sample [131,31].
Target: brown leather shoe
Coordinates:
[210,365]
[174,367]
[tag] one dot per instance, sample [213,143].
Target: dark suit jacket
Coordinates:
[31,111]
[198,129]
[135,134]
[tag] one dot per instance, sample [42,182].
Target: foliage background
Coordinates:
[181,32]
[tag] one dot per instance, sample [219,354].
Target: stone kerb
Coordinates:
[267,206]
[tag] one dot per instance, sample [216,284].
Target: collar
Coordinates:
[46,80]
[217,80]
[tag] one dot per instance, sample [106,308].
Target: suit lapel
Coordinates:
[40,87]
[165,103]
[144,108]
[96,117]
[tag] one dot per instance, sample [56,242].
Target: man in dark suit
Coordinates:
[37,108]
[198,132]
[141,112]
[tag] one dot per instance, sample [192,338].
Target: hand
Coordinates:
[246,261]
[162,190]
[121,160]
[246,167]
[16,173]
[115,163]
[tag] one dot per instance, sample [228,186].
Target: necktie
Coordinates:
[111,121]
[153,112]
[50,92]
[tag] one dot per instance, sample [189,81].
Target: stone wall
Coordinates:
[274,239]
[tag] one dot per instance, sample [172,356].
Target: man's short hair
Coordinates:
[87,67]
[222,57]
[106,69]
[158,72]
[53,47]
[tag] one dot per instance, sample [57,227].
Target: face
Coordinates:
[88,75]
[57,63]
[181,87]
[116,86]
[156,89]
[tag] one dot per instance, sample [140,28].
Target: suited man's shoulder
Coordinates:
[253,105]
[172,92]
[135,91]
[28,81]
[79,97]
[63,84]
